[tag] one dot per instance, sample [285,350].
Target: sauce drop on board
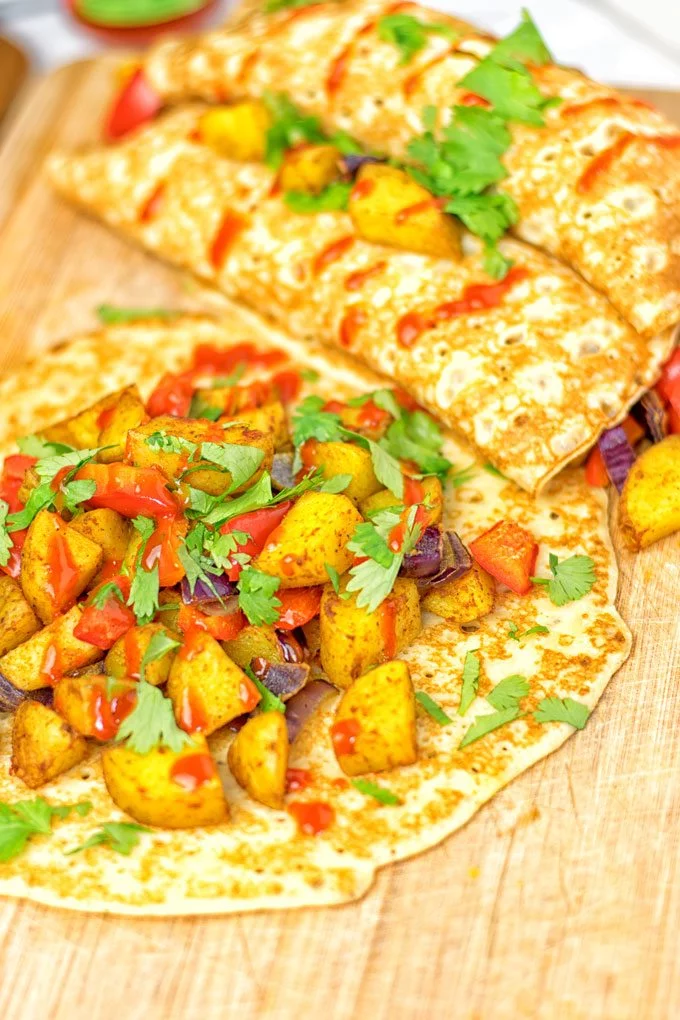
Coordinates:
[193,770]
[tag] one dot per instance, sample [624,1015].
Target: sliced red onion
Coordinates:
[303,705]
[282,472]
[204,593]
[292,649]
[425,559]
[11,697]
[655,416]
[353,162]
[455,563]
[214,607]
[284,679]
[617,453]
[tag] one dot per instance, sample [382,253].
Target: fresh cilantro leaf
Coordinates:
[272,6]
[384,399]
[77,492]
[572,578]
[37,814]
[333,576]
[197,567]
[222,548]
[369,539]
[41,497]
[378,793]
[269,701]
[170,444]
[416,437]
[289,128]
[508,86]
[334,484]
[410,34]
[122,837]
[47,468]
[524,43]
[310,375]
[387,468]
[27,818]
[112,315]
[334,196]
[6,543]
[470,684]
[110,590]
[35,446]
[374,579]
[144,589]
[562,710]
[462,476]
[508,692]
[311,422]
[223,382]
[538,628]
[513,631]
[200,409]
[433,709]
[240,461]
[256,596]
[160,644]
[494,471]
[487,723]
[151,723]
[215,511]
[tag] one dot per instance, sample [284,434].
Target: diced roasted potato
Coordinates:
[238,132]
[83,430]
[271,417]
[464,599]
[253,642]
[17,619]
[388,207]
[649,508]
[57,564]
[197,431]
[94,705]
[124,659]
[173,790]
[375,724]
[206,688]
[432,499]
[312,632]
[49,654]
[344,459]
[353,640]
[107,528]
[310,168]
[315,531]
[258,758]
[43,745]
[115,423]
[168,614]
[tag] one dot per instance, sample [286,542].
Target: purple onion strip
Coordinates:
[617,453]
[303,705]
[456,561]
[203,593]
[655,416]
[425,559]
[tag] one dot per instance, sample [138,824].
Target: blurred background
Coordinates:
[620,41]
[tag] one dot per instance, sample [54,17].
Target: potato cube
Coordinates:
[124,658]
[206,688]
[107,528]
[17,619]
[170,789]
[237,132]
[388,207]
[57,564]
[95,705]
[375,724]
[353,640]
[49,654]
[254,642]
[344,459]
[258,758]
[310,168]
[431,496]
[83,430]
[270,417]
[649,508]
[464,599]
[128,413]
[43,745]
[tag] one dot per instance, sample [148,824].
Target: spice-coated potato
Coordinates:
[432,499]
[173,790]
[237,132]
[254,642]
[124,658]
[344,459]
[107,528]
[353,640]
[206,688]
[315,531]
[649,508]
[464,599]
[168,613]
[258,758]
[50,541]
[271,417]
[93,704]
[17,619]
[49,654]
[388,207]
[376,721]
[128,413]
[83,430]
[43,744]
[309,168]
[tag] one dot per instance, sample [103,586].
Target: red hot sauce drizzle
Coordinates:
[412,210]
[604,160]
[352,321]
[108,714]
[354,281]
[231,226]
[192,771]
[344,734]
[312,816]
[153,204]
[62,571]
[192,715]
[51,667]
[331,253]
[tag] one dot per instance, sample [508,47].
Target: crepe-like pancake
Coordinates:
[259,859]
[530,380]
[598,186]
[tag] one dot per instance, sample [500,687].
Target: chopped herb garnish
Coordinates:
[200,409]
[572,578]
[151,723]
[494,471]
[509,87]
[514,634]
[508,692]
[374,579]
[487,723]
[416,436]
[272,6]
[470,683]
[310,421]
[75,493]
[462,476]
[410,34]
[256,596]
[334,196]
[144,589]
[6,543]
[110,590]
[21,821]
[562,710]
[524,43]
[378,793]
[432,708]
[333,576]
[112,315]
[160,644]
[170,444]
[240,461]
[35,446]
[289,128]
[122,837]
[310,375]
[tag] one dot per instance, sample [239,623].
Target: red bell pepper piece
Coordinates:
[172,396]
[129,490]
[13,471]
[508,552]
[298,606]
[596,472]
[223,627]
[102,627]
[668,385]
[287,384]
[162,549]
[258,524]
[137,103]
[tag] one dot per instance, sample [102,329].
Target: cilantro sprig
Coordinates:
[122,837]
[21,821]
[333,198]
[145,587]
[470,683]
[562,710]
[257,596]
[374,578]
[151,723]
[572,578]
[410,34]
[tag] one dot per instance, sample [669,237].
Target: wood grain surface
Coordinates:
[560,900]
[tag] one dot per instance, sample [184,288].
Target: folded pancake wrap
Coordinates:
[598,186]
[530,379]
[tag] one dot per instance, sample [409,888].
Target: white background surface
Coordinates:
[621,41]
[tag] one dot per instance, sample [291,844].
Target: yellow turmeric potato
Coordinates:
[83,430]
[465,599]
[128,413]
[94,705]
[124,658]
[57,564]
[353,640]
[198,431]
[254,642]
[170,789]
[206,688]
[107,528]
[344,459]
[168,614]
[432,499]
[388,207]
[649,508]
[375,723]
[49,654]
[315,531]
[43,745]
[17,619]
[271,417]
[258,758]
[238,132]
[310,168]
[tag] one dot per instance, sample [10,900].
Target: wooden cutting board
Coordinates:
[560,900]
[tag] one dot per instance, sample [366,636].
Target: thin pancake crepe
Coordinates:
[530,381]
[259,859]
[598,186]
